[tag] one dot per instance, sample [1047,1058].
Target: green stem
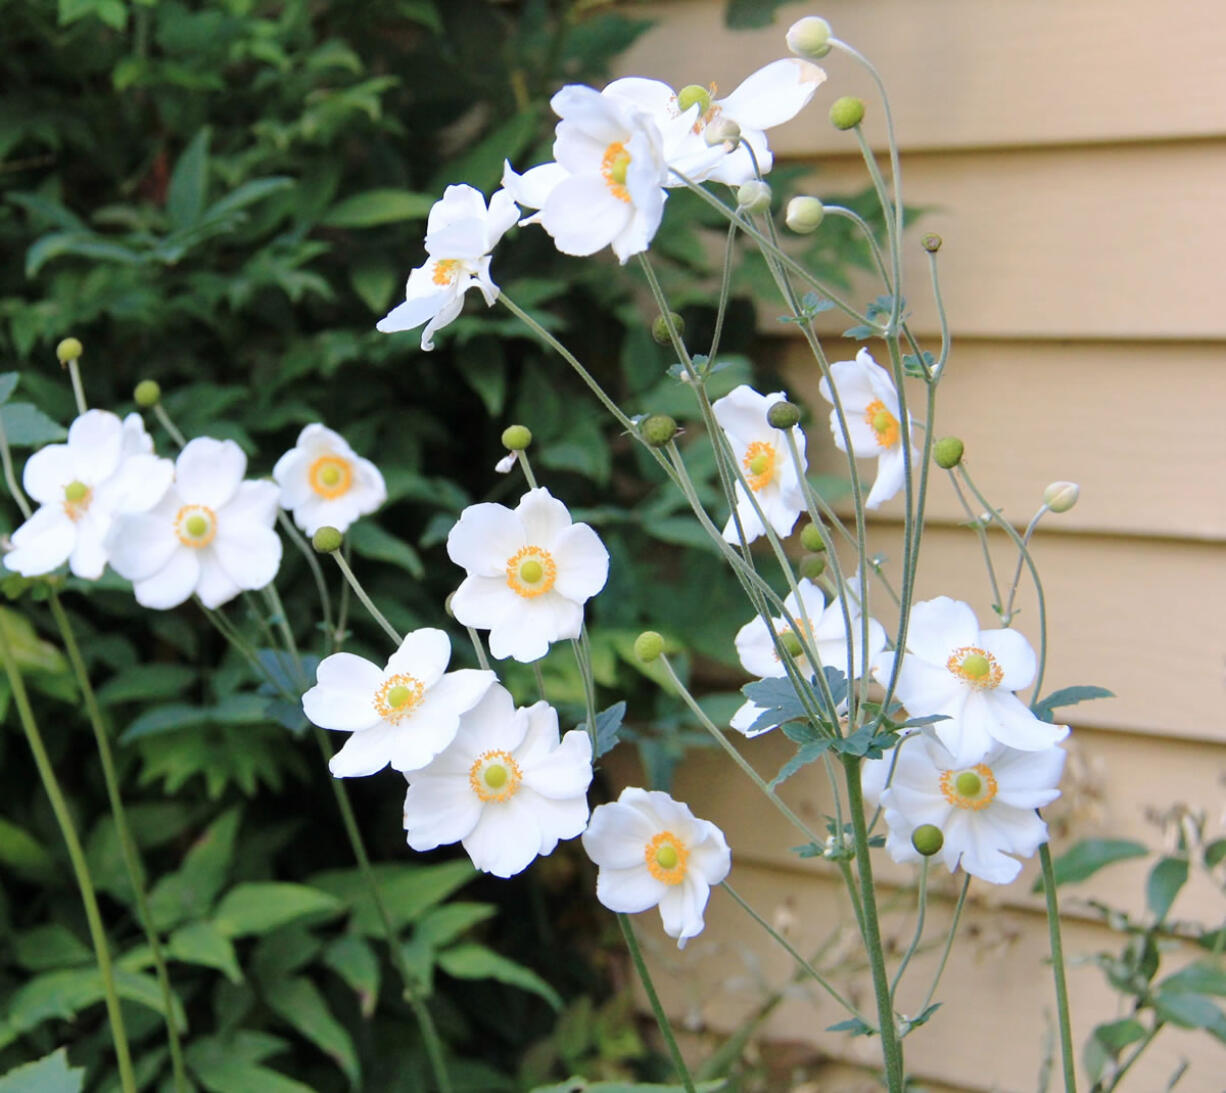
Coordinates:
[525,465]
[172,430]
[309,553]
[666,1030]
[583,657]
[9,477]
[1057,968]
[478,648]
[1126,1065]
[949,941]
[76,855]
[982,534]
[367,602]
[78,391]
[920,911]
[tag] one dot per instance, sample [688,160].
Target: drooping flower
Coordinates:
[106,467]
[985,810]
[953,668]
[506,787]
[827,631]
[530,571]
[652,851]
[460,234]
[325,483]
[210,535]
[763,454]
[874,422]
[404,714]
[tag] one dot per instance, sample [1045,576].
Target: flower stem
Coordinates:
[525,465]
[478,648]
[921,909]
[949,941]
[159,412]
[321,585]
[1057,968]
[9,477]
[666,1030]
[367,602]
[78,390]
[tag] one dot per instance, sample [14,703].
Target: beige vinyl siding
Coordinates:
[1073,157]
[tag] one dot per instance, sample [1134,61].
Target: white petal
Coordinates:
[543,518]
[423,654]
[439,811]
[214,586]
[629,891]
[208,471]
[533,187]
[506,838]
[249,554]
[582,561]
[617,836]
[95,441]
[1013,654]
[1015,726]
[774,94]
[172,584]
[938,627]
[47,472]
[140,544]
[566,772]
[891,477]
[681,909]
[43,543]
[139,483]
[484,538]
[484,602]
[527,633]
[412,313]
[583,216]
[364,753]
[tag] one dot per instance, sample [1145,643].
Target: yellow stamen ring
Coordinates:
[397,696]
[495,776]
[759,464]
[976,667]
[531,572]
[330,476]
[77,496]
[973,788]
[882,422]
[446,270]
[614,166]
[195,526]
[666,856]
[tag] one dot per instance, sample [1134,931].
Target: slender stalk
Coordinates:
[583,657]
[1007,615]
[309,553]
[666,1030]
[366,601]
[78,391]
[1126,1065]
[526,466]
[949,941]
[9,477]
[982,534]
[76,855]
[342,608]
[1057,968]
[131,856]
[287,633]
[478,648]
[920,911]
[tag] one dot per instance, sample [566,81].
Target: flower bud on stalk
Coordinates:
[947,452]
[70,349]
[847,112]
[327,540]
[927,839]
[659,328]
[516,438]
[147,394]
[931,242]
[812,566]
[658,430]
[783,414]
[648,646]
[1061,496]
[809,37]
[804,214]
[811,538]
[753,196]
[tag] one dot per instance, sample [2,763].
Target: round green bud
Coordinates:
[791,643]
[327,540]
[804,214]
[783,414]
[931,242]
[811,538]
[75,491]
[947,452]
[667,857]
[812,566]
[147,394]
[691,94]
[1061,496]
[723,131]
[753,196]
[515,438]
[70,349]
[660,333]
[847,112]
[809,37]
[976,666]
[927,839]
[648,646]
[658,429]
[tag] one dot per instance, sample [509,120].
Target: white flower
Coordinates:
[325,483]
[952,667]
[764,457]
[530,571]
[460,233]
[827,631]
[652,851]
[870,405]
[985,810]
[106,467]
[506,786]
[774,94]
[404,714]
[210,534]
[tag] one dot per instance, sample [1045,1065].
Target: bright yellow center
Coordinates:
[330,476]
[614,167]
[976,667]
[882,422]
[759,464]
[397,696]
[77,496]
[495,776]
[973,788]
[666,855]
[446,270]
[195,526]
[531,572]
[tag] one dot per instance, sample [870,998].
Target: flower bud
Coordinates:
[147,394]
[648,646]
[809,37]
[812,566]
[783,414]
[931,242]
[847,112]
[691,94]
[753,196]
[811,538]
[70,349]
[659,328]
[326,540]
[1061,496]
[515,438]
[658,430]
[722,131]
[947,452]
[804,214]
[927,839]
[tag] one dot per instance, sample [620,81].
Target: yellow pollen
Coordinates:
[531,572]
[973,788]
[446,270]
[882,422]
[975,666]
[330,476]
[666,855]
[614,167]
[759,464]
[397,696]
[195,526]
[495,776]
[77,496]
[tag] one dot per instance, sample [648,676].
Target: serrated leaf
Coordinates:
[1165,880]
[50,1074]
[375,207]
[1067,696]
[257,908]
[371,541]
[805,754]
[608,725]
[26,426]
[471,961]
[1089,856]
[297,1001]
[185,195]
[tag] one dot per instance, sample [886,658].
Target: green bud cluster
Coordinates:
[648,646]
[947,452]
[783,415]
[147,394]
[847,112]
[516,438]
[70,349]
[327,540]
[658,429]
[660,333]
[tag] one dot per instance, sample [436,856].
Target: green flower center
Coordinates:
[790,643]
[531,571]
[496,776]
[692,94]
[667,857]
[976,666]
[398,696]
[759,463]
[968,783]
[75,491]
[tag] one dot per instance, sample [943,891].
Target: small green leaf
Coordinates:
[23,853]
[1067,696]
[202,943]
[354,960]
[371,541]
[375,282]
[408,890]
[1201,978]
[298,1002]
[1215,853]
[1089,856]
[31,653]
[50,946]
[142,682]
[1107,1041]
[26,426]
[471,961]
[1190,1011]
[608,725]
[51,1074]
[8,384]
[376,207]
[1166,878]
[853,1025]
[185,195]
[258,908]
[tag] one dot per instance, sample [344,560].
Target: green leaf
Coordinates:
[371,541]
[805,754]
[142,682]
[1089,856]
[1067,696]
[375,283]
[354,960]
[23,853]
[1107,1041]
[1166,878]
[581,1085]
[26,426]
[189,892]
[471,961]
[608,725]
[258,908]
[78,245]
[298,1002]
[223,1075]
[31,653]
[1203,977]
[1191,1011]
[442,925]
[1215,853]
[202,943]
[50,946]
[8,384]
[63,994]
[408,890]
[376,207]
[111,12]
[185,196]
[51,1074]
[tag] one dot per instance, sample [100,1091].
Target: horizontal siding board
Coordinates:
[970,73]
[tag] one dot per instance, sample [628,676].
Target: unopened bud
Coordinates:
[691,94]
[811,538]
[70,349]
[809,37]
[847,112]
[753,196]
[722,131]
[327,540]
[927,839]
[147,394]
[931,242]
[1061,496]
[812,566]
[660,333]
[515,438]
[947,452]
[658,429]
[648,646]
[804,214]
[783,414]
